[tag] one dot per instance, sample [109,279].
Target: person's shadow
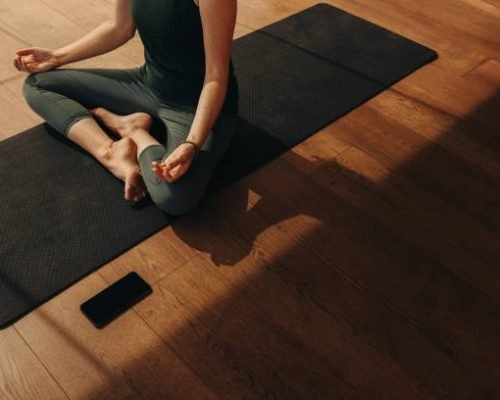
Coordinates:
[251,149]
[358,203]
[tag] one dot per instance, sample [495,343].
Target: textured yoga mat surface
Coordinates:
[63,215]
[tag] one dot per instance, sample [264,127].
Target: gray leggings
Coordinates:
[63,96]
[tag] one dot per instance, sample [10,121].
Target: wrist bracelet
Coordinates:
[193,143]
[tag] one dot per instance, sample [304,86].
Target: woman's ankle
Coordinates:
[104,153]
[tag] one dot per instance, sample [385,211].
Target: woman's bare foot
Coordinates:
[119,157]
[123,125]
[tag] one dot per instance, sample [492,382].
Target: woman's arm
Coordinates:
[218,18]
[111,34]
[106,37]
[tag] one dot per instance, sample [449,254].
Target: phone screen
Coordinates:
[115,299]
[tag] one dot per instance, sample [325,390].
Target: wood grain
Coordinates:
[13,104]
[409,281]
[124,360]
[22,375]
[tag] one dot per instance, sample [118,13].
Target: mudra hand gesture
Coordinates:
[35,59]
[176,164]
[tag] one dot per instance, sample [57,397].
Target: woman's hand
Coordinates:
[176,164]
[35,59]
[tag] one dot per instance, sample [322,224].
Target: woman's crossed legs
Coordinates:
[68,99]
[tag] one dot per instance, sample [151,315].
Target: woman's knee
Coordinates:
[33,86]
[174,202]
[29,88]
[48,80]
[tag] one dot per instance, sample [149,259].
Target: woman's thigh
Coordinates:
[62,94]
[178,123]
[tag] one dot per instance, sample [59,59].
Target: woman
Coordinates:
[187,82]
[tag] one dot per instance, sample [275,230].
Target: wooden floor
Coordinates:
[363,264]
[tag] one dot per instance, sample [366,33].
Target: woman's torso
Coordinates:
[172,36]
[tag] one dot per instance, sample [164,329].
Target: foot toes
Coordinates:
[94,111]
[128,193]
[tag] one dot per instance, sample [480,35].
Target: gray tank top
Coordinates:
[174,67]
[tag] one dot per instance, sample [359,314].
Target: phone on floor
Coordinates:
[108,304]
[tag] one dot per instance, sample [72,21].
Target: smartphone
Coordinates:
[108,304]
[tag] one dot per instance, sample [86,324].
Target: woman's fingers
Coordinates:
[21,64]
[172,167]
[180,171]
[169,170]
[167,174]
[158,171]
[24,52]
[161,172]
[18,58]
[16,65]
[169,164]
[177,171]
[25,60]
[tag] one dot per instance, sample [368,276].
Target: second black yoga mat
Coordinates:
[63,216]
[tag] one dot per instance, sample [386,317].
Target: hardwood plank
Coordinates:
[457,241]
[276,243]
[173,317]
[316,150]
[8,45]
[45,30]
[155,258]
[258,13]
[455,238]
[126,359]
[444,308]
[465,22]
[458,183]
[14,105]
[474,21]
[91,13]
[299,292]
[494,3]
[453,95]
[236,340]
[491,7]
[488,73]
[22,376]
[464,138]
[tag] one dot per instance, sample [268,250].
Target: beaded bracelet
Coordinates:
[193,143]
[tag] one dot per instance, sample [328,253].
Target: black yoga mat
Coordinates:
[62,214]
